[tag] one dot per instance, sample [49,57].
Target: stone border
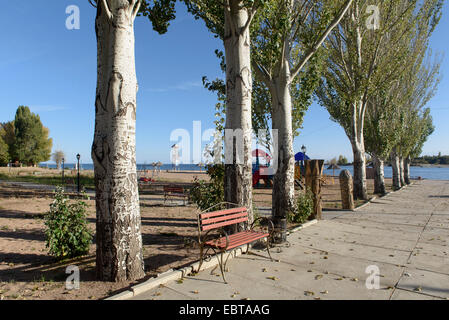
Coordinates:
[173,275]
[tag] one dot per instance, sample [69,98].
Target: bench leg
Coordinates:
[222,266]
[201,258]
[268,249]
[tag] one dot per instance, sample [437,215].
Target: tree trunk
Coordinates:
[379,179]
[283,196]
[238,170]
[359,171]
[401,171]
[395,168]
[407,170]
[119,241]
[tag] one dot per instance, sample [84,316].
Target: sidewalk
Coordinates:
[405,235]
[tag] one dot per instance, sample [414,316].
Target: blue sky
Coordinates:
[53,71]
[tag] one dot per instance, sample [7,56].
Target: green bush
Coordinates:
[304,208]
[67,234]
[206,194]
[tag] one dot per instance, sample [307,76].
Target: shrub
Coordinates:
[67,234]
[206,194]
[304,208]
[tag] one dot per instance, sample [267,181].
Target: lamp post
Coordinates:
[78,158]
[303,149]
[63,171]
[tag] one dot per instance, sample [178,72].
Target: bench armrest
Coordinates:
[207,236]
[268,221]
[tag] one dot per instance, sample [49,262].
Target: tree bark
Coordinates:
[359,171]
[283,196]
[379,178]
[395,168]
[407,170]
[401,171]
[119,241]
[238,172]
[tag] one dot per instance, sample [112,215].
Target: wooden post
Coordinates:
[347,198]
[314,172]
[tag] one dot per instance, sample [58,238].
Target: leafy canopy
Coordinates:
[31,142]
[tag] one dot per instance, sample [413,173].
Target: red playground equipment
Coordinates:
[262,172]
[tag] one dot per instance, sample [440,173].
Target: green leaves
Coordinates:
[30,144]
[159,12]
[67,234]
[4,155]
[304,208]
[205,194]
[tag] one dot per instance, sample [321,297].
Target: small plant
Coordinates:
[67,234]
[304,208]
[205,194]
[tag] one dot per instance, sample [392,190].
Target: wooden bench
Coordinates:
[175,192]
[220,242]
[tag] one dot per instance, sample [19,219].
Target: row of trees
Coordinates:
[341,161]
[378,82]
[25,139]
[277,55]
[439,159]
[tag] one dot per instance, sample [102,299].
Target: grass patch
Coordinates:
[85,181]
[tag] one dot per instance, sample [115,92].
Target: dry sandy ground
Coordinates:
[168,232]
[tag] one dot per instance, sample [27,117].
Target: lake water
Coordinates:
[415,172]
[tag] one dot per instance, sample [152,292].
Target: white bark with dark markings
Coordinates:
[119,241]
[238,175]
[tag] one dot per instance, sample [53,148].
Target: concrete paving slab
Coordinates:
[357,250]
[386,239]
[367,230]
[400,294]
[430,262]
[427,282]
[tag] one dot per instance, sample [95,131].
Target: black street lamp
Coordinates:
[303,149]
[78,158]
[63,171]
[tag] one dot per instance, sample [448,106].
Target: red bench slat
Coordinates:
[222,224]
[222,212]
[237,239]
[223,218]
[180,190]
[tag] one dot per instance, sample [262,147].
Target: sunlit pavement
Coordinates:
[394,248]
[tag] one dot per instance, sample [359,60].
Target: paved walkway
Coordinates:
[404,236]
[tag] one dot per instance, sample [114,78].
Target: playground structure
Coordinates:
[262,172]
[265,172]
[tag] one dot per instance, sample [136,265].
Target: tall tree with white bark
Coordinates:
[119,241]
[415,125]
[287,35]
[355,67]
[230,20]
